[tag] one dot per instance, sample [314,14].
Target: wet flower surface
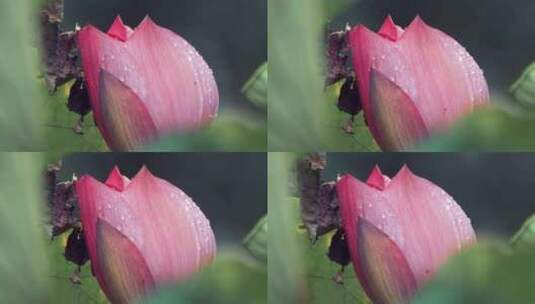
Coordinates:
[145,83]
[399,231]
[141,233]
[414,82]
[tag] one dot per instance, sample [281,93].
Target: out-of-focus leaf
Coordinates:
[525,237]
[22,262]
[20,102]
[486,273]
[490,129]
[60,134]
[229,132]
[255,89]
[231,279]
[256,241]
[523,89]
[286,283]
[295,107]
[61,278]
[302,116]
[335,7]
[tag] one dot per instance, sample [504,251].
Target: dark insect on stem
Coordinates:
[349,98]
[79,98]
[76,250]
[338,250]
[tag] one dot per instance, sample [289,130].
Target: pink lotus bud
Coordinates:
[414,82]
[399,231]
[145,83]
[141,233]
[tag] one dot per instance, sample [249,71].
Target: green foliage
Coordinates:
[255,89]
[525,237]
[22,264]
[335,7]
[231,279]
[302,116]
[490,129]
[286,283]
[487,273]
[256,240]
[523,89]
[230,132]
[20,103]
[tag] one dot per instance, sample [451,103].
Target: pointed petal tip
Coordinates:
[147,21]
[376,179]
[119,20]
[118,30]
[390,30]
[116,180]
[417,23]
[404,173]
[142,174]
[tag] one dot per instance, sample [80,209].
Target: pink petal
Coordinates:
[116,180]
[435,72]
[126,274]
[126,123]
[390,277]
[164,71]
[377,179]
[390,30]
[155,216]
[423,220]
[118,30]
[398,122]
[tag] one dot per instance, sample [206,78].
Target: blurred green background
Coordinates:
[230,188]
[231,37]
[494,189]
[303,115]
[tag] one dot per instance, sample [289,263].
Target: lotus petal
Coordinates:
[165,73]
[438,77]
[421,219]
[170,232]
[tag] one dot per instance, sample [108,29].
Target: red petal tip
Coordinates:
[377,179]
[390,30]
[118,30]
[116,180]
